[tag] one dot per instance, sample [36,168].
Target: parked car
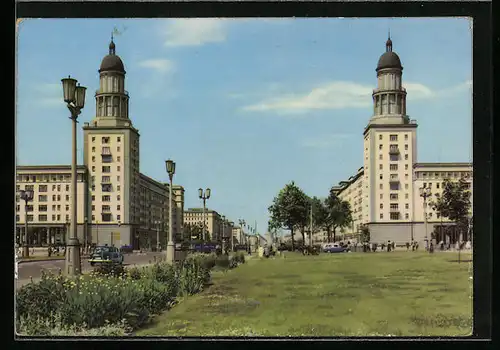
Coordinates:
[334,248]
[105,254]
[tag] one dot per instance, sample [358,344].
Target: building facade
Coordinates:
[385,193]
[211,218]
[49,212]
[122,206]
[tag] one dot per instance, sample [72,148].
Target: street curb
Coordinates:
[39,260]
[45,260]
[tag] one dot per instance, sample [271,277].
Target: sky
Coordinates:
[244,106]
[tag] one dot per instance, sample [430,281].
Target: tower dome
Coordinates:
[389,59]
[112,62]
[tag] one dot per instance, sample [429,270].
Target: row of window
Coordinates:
[396,216]
[106,168]
[106,198]
[107,158]
[442,175]
[106,150]
[43,218]
[106,208]
[106,139]
[393,137]
[392,167]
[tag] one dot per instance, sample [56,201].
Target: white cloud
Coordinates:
[326,141]
[341,95]
[48,95]
[194,31]
[162,66]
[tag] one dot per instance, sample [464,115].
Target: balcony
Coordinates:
[105,151]
[106,180]
[394,210]
[393,150]
[394,179]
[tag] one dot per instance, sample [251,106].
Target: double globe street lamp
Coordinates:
[204,195]
[170,165]
[26,195]
[425,192]
[74,96]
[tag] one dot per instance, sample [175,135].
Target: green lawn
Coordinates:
[356,294]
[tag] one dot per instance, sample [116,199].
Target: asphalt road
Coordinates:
[33,269]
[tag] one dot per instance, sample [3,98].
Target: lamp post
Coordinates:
[170,164]
[26,196]
[97,232]
[223,218]
[74,96]
[204,195]
[85,234]
[157,223]
[242,224]
[425,192]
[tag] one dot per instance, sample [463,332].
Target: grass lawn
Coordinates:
[356,294]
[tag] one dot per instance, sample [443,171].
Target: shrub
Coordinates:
[233,262]
[40,299]
[53,327]
[222,261]
[191,277]
[114,270]
[239,257]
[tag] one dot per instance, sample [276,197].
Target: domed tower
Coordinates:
[111,98]
[389,98]
[389,154]
[111,155]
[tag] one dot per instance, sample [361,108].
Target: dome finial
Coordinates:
[111,46]
[388,44]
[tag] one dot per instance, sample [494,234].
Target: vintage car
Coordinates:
[334,248]
[105,254]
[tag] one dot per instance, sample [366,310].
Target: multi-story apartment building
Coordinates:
[50,210]
[124,207]
[211,218]
[385,193]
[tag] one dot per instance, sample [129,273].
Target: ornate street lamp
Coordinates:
[26,195]
[74,96]
[170,165]
[204,196]
[425,192]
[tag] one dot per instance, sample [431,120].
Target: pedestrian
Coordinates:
[394,246]
[407,246]
[389,245]
[416,245]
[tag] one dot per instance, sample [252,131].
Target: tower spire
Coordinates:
[112,46]
[388,44]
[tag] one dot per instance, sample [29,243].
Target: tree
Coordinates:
[455,204]
[195,230]
[318,214]
[289,209]
[338,214]
[365,234]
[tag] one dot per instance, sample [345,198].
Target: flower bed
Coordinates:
[107,300]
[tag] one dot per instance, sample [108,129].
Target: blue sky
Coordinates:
[245,106]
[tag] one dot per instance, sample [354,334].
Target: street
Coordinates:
[28,270]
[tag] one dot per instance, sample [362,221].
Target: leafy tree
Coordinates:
[338,214]
[195,230]
[365,234]
[455,204]
[318,214]
[289,209]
